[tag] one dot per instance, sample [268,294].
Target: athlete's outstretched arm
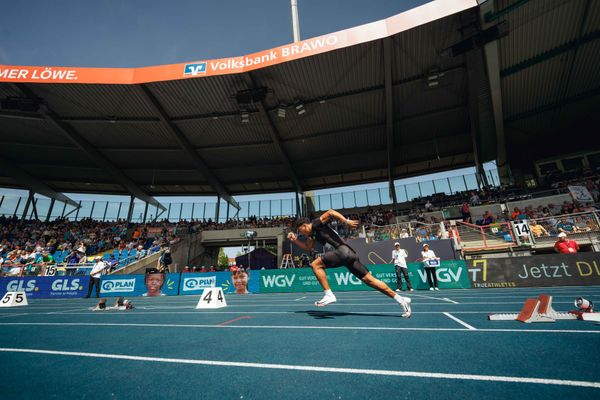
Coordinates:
[306,246]
[327,215]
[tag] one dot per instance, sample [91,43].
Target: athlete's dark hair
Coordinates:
[300,221]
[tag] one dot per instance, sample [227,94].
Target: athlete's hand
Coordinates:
[352,224]
[292,236]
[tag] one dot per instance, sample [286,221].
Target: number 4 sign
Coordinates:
[14,299]
[212,298]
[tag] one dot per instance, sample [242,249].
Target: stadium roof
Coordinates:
[408,95]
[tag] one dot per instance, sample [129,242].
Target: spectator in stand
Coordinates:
[537,229]
[564,245]
[466,212]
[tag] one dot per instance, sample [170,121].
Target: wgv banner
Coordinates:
[543,270]
[46,287]
[240,282]
[451,274]
[149,285]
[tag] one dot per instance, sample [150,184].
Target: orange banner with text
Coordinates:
[232,65]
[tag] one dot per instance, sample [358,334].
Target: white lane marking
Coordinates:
[363,328]
[463,323]
[12,315]
[451,301]
[358,371]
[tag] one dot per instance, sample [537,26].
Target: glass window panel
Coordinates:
[253,209]
[442,186]
[348,198]
[336,201]
[426,188]
[209,212]
[265,208]
[276,207]
[10,204]
[138,212]
[471,182]
[373,197]
[324,202]
[361,198]
[112,213]
[401,194]
[42,205]
[99,208]
[186,211]
[287,208]
[457,184]
[384,193]
[84,211]
[413,191]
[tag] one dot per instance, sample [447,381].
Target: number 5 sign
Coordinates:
[212,298]
[14,299]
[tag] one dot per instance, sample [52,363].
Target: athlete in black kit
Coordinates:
[343,255]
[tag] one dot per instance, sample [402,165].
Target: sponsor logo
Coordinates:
[120,285]
[190,284]
[194,69]
[445,275]
[346,278]
[283,281]
[65,285]
[20,285]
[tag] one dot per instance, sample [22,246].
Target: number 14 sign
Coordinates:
[212,298]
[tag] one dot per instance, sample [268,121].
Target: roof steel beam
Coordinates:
[185,145]
[389,115]
[30,182]
[492,63]
[275,137]
[97,157]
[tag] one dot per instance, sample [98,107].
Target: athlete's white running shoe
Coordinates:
[406,305]
[327,299]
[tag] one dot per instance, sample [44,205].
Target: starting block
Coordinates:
[535,310]
[212,298]
[14,299]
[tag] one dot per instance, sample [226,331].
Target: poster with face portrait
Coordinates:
[234,282]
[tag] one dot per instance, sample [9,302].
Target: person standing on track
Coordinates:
[95,274]
[342,255]
[430,262]
[399,259]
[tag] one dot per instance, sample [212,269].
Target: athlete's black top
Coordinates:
[324,234]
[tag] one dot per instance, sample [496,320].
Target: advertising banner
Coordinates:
[46,287]
[241,282]
[451,274]
[149,285]
[542,270]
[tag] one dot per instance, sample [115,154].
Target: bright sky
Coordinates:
[132,33]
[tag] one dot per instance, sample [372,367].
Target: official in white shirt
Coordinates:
[430,262]
[399,259]
[95,274]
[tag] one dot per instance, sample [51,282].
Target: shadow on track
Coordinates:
[332,314]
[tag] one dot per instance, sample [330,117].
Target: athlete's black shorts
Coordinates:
[345,256]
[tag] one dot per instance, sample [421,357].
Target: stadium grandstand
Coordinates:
[508,88]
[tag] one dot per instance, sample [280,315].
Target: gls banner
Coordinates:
[46,287]
[139,285]
[543,270]
[451,274]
